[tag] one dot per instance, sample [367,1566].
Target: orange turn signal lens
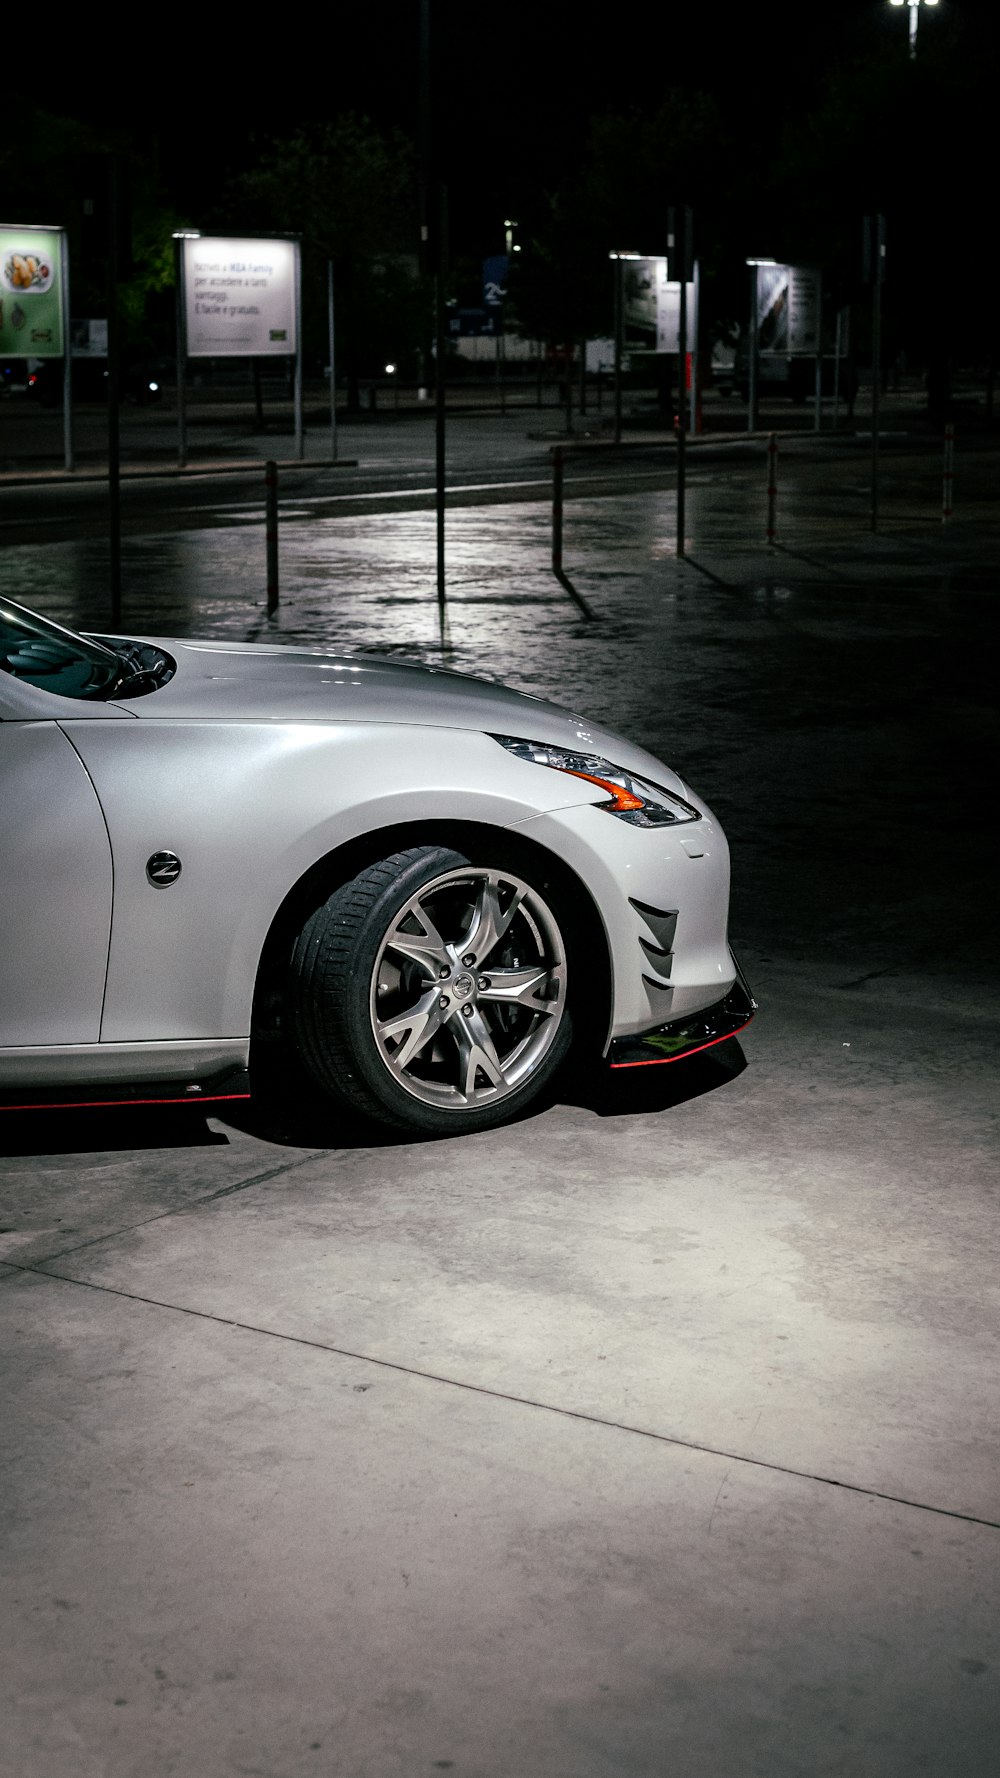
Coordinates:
[624,800]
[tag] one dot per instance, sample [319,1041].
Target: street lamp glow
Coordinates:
[774,261]
[914,6]
[390,370]
[625,256]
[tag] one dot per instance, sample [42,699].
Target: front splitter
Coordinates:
[685,1037]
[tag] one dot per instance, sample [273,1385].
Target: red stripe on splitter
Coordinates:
[658,1061]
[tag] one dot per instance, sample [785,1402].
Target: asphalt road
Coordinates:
[387,464]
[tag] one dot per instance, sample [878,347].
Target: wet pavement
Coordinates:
[656,1432]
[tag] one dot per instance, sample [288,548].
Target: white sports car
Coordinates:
[417,884]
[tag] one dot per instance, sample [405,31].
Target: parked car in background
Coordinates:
[141,381]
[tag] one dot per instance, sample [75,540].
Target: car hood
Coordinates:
[255,682]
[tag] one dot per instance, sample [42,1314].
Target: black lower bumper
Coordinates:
[684,1037]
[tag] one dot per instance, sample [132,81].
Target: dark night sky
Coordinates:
[516,88]
[517,82]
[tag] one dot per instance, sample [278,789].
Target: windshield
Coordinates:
[46,655]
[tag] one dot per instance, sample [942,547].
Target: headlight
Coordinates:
[632,799]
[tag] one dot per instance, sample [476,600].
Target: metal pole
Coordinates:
[948,489]
[682,403]
[836,369]
[695,392]
[557,534]
[752,354]
[557,509]
[333,361]
[300,440]
[619,331]
[67,354]
[114,417]
[878,249]
[439,391]
[271,534]
[818,411]
[772,485]
[181,356]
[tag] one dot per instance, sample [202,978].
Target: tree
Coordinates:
[348,191]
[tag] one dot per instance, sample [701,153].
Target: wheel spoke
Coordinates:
[416,1027]
[520,987]
[425,948]
[476,1033]
[476,1051]
[490,922]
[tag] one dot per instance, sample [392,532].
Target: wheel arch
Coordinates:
[591,1021]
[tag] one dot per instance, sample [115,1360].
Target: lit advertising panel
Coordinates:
[239,297]
[31,292]
[668,314]
[652,307]
[788,302]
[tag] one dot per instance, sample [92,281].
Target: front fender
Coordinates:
[249,809]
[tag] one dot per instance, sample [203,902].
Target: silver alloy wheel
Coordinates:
[469,988]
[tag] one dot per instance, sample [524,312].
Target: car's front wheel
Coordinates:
[432,990]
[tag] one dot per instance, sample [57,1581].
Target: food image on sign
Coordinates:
[32,292]
[26,272]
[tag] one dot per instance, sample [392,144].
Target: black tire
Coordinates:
[389,1014]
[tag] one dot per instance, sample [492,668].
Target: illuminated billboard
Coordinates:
[788,308]
[240,297]
[651,307]
[31,292]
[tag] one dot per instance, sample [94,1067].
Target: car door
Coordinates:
[55,890]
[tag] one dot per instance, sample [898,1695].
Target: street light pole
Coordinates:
[619,333]
[680,261]
[874,268]
[914,9]
[753,355]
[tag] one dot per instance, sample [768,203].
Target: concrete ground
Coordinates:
[655,1434]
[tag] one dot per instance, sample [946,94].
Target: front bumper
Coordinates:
[684,1037]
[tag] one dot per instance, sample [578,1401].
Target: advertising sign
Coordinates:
[495,280]
[803,310]
[788,309]
[641,279]
[652,307]
[240,297]
[668,315]
[31,294]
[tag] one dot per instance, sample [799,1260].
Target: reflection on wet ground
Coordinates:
[831,697]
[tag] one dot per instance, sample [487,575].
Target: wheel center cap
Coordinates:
[463,986]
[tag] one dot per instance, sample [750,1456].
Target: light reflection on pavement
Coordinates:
[827,697]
